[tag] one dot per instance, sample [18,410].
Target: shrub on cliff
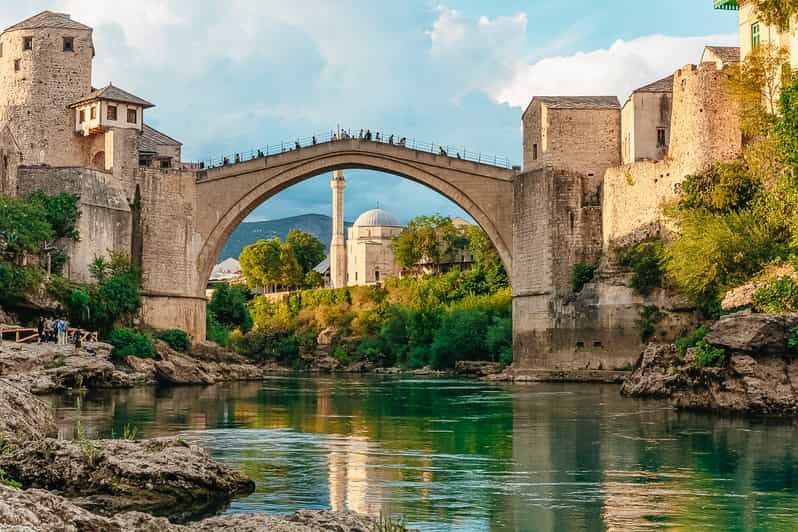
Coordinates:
[690,340]
[646,260]
[229,306]
[707,355]
[461,336]
[581,274]
[176,339]
[778,296]
[128,342]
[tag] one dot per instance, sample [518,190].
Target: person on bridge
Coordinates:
[361,134]
[378,136]
[238,158]
[403,142]
[390,139]
[260,154]
[297,145]
[368,134]
[313,140]
[443,152]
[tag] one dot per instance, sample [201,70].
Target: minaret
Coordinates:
[338,244]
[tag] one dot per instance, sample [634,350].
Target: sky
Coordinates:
[229,76]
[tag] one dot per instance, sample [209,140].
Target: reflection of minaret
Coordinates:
[337,244]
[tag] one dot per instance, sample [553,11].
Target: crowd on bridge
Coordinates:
[339,135]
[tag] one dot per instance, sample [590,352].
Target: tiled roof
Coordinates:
[116,94]
[48,19]
[579,102]
[151,138]
[727,54]
[323,266]
[661,85]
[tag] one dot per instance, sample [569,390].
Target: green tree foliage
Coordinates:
[16,281]
[313,279]
[708,355]
[487,262]
[23,227]
[228,305]
[724,188]
[177,339]
[461,336]
[128,342]
[215,331]
[62,213]
[429,239]
[581,274]
[308,249]
[271,263]
[647,262]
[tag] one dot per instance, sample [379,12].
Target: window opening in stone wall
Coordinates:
[82,116]
[69,44]
[17,65]
[93,112]
[661,139]
[132,116]
[5,162]
[376,275]
[27,43]
[111,112]
[755,36]
[166,163]
[534,152]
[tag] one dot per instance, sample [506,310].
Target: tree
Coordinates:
[23,227]
[777,12]
[755,85]
[260,263]
[62,213]
[486,259]
[308,249]
[228,305]
[428,239]
[290,272]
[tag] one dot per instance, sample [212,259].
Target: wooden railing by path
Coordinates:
[17,334]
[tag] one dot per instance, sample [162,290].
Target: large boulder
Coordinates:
[746,332]
[761,385]
[40,510]
[23,416]
[180,368]
[161,476]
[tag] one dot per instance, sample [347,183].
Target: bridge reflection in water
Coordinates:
[449,454]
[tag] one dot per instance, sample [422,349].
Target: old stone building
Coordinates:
[755,32]
[59,134]
[646,122]
[369,253]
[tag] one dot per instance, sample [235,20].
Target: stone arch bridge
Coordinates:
[187,217]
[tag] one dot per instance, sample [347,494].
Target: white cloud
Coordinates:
[616,70]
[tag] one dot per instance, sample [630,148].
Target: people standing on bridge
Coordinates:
[443,152]
[260,154]
[390,139]
[225,161]
[378,136]
[458,155]
[297,145]
[403,142]
[368,134]
[238,158]
[313,140]
[334,137]
[360,137]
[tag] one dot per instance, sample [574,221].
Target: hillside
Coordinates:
[318,225]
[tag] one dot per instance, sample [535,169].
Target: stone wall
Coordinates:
[170,245]
[9,160]
[705,128]
[34,100]
[104,224]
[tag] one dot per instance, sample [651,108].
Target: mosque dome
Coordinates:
[377,217]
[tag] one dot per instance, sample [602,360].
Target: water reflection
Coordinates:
[461,455]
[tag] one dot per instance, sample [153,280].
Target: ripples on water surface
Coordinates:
[462,455]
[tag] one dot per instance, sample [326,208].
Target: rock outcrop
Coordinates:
[746,332]
[763,385]
[34,509]
[180,368]
[477,368]
[22,416]
[163,476]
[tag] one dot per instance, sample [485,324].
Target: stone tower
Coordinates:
[337,244]
[45,65]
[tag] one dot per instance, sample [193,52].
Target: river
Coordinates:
[462,455]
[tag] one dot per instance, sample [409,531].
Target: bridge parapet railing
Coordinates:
[455,152]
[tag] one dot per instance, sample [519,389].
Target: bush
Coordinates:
[128,342]
[646,260]
[215,331]
[778,296]
[176,338]
[707,355]
[499,340]
[229,306]
[650,316]
[792,339]
[690,340]
[461,336]
[581,275]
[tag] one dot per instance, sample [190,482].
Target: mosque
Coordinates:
[365,255]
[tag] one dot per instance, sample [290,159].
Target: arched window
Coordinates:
[98,161]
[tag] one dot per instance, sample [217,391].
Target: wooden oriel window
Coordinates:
[93,112]
[132,116]
[111,113]
[82,115]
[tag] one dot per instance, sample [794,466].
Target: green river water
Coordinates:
[462,455]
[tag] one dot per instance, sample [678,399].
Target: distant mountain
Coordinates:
[318,225]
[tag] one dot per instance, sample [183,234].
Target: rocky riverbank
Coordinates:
[105,484]
[760,375]
[48,368]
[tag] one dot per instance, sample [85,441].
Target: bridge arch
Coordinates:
[226,195]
